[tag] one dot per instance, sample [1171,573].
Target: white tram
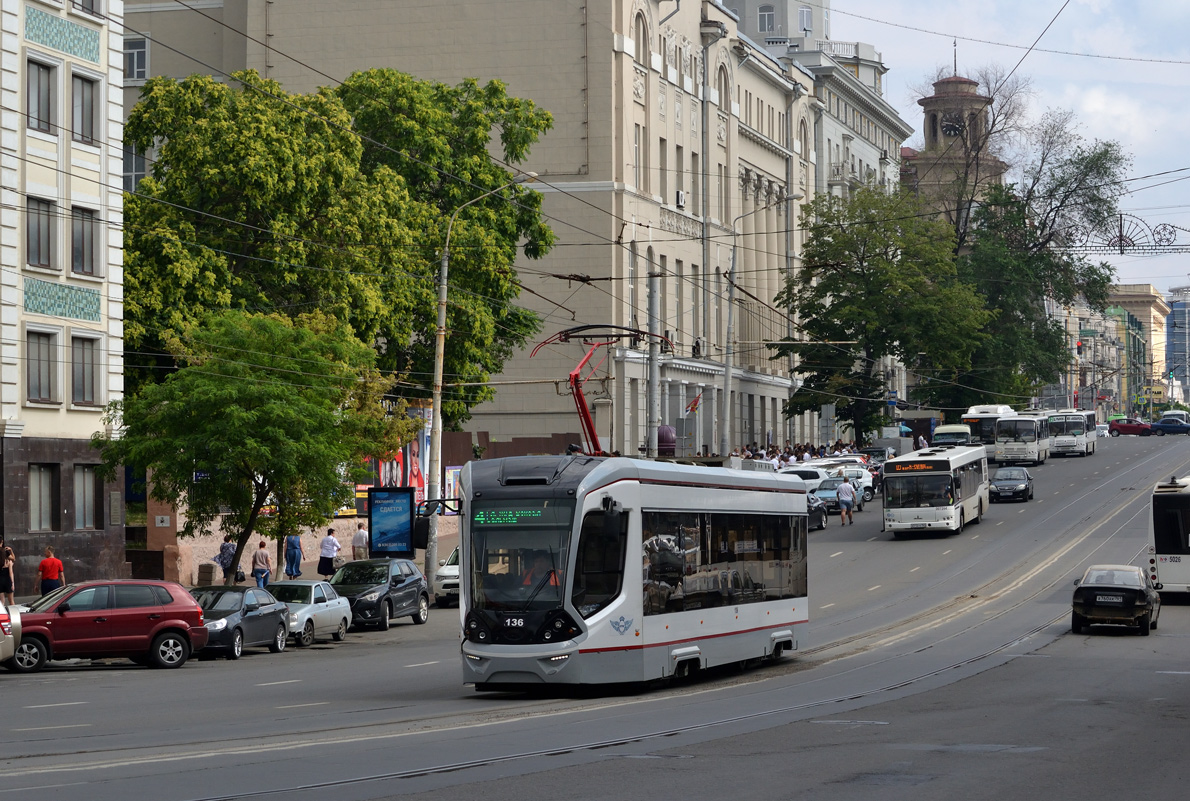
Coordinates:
[591,570]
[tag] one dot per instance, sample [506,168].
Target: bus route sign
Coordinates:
[924,466]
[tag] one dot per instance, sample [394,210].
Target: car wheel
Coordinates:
[1145,624]
[29,657]
[169,650]
[341,632]
[868,495]
[1077,622]
[423,610]
[441,602]
[386,612]
[1161,432]
[1145,433]
[1115,432]
[306,637]
[279,639]
[237,645]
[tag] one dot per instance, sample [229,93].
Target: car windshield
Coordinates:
[453,559]
[46,601]
[219,600]
[519,553]
[361,573]
[1018,430]
[289,594]
[830,483]
[943,439]
[909,492]
[1009,474]
[1118,577]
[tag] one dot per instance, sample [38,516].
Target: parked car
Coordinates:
[1170,425]
[810,474]
[1102,429]
[240,617]
[153,623]
[446,580]
[1129,425]
[315,610]
[382,589]
[861,478]
[1115,594]
[817,511]
[827,493]
[1010,484]
[10,631]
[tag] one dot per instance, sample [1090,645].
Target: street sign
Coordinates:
[1088,332]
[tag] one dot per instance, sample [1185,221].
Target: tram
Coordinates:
[598,570]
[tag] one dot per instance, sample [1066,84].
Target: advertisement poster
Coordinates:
[450,487]
[390,522]
[404,468]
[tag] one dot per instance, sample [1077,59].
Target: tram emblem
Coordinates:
[622,625]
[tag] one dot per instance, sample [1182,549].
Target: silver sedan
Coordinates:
[315,610]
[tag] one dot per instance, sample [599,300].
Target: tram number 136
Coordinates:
[514,622]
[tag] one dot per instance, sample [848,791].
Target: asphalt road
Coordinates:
[934,666]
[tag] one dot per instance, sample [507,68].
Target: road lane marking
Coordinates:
[423,664]
[1159,672]
[828,606]
[1000,523]
[274,683]
[874,588]
[975,537]
[944,553]
[914,570]
[47,706]
[872,539]
[298,706]
[48,728]
[836,553]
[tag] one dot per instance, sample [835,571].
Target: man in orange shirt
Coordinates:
[51,572]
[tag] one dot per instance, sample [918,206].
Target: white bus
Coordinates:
[1169,535]
[1072,432]
[1023,437]
[593,570]
[982,421]
[935,489]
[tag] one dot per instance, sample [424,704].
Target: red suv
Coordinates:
[153,623]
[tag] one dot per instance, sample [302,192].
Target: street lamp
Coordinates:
[432,486]
[728,350]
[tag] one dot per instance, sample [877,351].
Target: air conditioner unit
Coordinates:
[680,200]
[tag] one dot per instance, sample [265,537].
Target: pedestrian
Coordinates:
[51,572]
[359,543]
[226,559]
[8,561]
[262,565]
[846,495]
[328,549]
[294,554]
[921,442]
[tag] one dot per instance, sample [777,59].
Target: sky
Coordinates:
[1131,84]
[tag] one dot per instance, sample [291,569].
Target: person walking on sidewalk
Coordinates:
[51,572]
[226,559]
[262,565]
[8,561]
[328,549]
[359,543]
[846,496]
[294,554]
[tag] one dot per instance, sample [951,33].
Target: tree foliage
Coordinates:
[877,279]
[266,201]
[264,409]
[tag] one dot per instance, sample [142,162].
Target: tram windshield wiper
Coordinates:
[551,573]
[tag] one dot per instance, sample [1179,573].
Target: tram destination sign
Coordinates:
[918,466]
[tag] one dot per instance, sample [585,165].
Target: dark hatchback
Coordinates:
[153,623]
[382,589]
[1011,484]
[1115,594]
[239,617]
[817,512]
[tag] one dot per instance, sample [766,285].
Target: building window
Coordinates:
[82,119]
[641,43]
[805,20]
[134,167]
[86,497]
[637,167]
[39,230]
[41,97]
[766,19]
[84,232]
[84,370]
[86,6]
[43,506]
[724,92]
[663,151]
[136,59]
[695,199]
[40,366]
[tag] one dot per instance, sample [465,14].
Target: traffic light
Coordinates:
[1079,347]
[1171,375]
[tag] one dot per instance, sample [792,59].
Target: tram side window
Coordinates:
[1171,524]
[599,569]
[669,539]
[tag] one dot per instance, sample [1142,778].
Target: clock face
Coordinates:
[952,125]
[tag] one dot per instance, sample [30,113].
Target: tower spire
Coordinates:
[956,56]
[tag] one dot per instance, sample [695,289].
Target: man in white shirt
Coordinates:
[359,543]
[846,495]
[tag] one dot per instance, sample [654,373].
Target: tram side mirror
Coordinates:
[421,532]
[612,513]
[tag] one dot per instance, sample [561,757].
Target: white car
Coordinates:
[446,580]
[10,631]
[1102,430]
[315,610]
[813,476]
[861,477]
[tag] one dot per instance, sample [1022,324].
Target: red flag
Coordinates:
[692,406]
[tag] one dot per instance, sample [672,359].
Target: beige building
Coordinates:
[675,139]
[61,331]
[1149,306]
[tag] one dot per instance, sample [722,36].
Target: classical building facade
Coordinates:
[1148,305]
[678,139]
[61,331]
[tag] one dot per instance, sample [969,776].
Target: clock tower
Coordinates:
[956,115]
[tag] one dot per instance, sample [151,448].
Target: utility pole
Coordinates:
[654,390]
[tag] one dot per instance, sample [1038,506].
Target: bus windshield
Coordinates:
[983,429]
[518,553]
[1069,426]
[1016,430]
[910,492]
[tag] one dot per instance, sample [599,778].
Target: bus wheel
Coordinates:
[979,516]
[962,522]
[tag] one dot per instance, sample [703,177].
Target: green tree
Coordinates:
[877,279]
[264,409]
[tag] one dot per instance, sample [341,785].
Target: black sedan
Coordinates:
[1115,594]
[1010,484]
[381,589]
[242,616]
[817,510]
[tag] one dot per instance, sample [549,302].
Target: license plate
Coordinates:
[1005,492]
[1109,599]
[917,525]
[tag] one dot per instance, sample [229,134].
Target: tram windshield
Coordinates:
[519,553]
[909,492]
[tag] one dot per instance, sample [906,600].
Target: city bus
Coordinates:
[1072,432]
[982,421]
[600,570]
[935,489]
[1169,535]
[1023,437]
